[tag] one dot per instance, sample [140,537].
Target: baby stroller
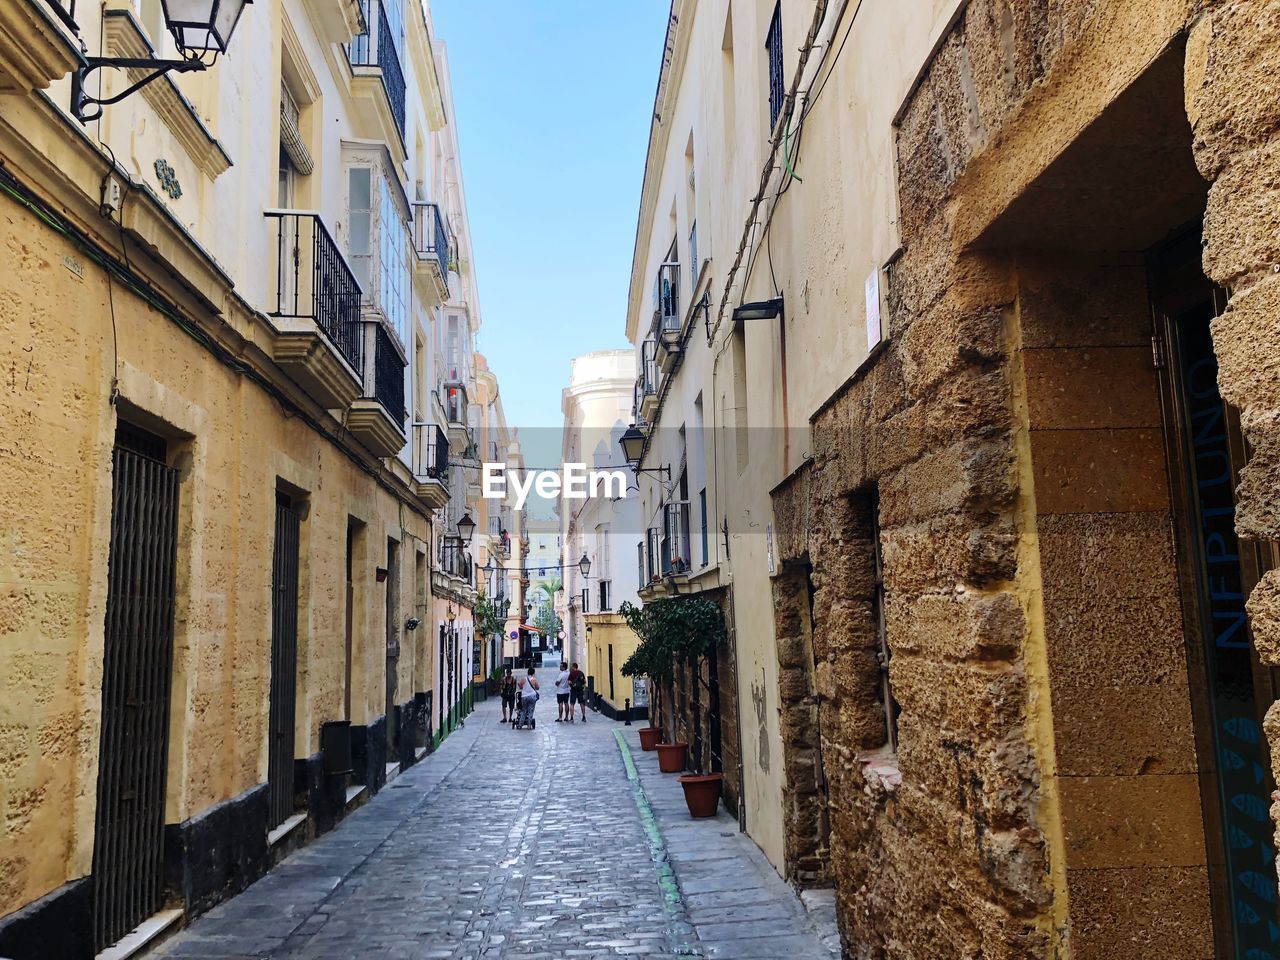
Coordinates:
[524,714]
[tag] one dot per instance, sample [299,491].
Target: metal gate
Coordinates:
[284,659]
[128,841]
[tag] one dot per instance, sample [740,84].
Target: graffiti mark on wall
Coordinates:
[758,699]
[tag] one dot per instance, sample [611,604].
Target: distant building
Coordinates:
[597,407]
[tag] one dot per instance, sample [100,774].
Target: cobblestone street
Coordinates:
[516,843]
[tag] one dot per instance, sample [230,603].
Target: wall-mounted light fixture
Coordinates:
[201,29]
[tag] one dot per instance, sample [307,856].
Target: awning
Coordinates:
[525,626]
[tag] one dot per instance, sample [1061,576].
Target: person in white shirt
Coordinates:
[564,710]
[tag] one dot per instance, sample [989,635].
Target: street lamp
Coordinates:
[584,565]
[759,310]
[198,27]
[466,528]
[633,445]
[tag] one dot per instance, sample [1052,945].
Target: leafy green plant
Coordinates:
[668,629]
[488,619]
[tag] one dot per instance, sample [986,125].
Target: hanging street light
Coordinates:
[632,443]
[200,29]
[466,528]
[585,565]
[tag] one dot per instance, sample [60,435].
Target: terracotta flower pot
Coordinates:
[649,737]
[701,793]
[671,756]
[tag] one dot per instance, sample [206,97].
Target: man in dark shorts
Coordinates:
[508,690]
[564,712]
[577,691]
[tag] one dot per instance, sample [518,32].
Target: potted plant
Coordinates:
[701,793]
[671,756]
[649,738]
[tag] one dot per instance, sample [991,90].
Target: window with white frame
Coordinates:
[378,241]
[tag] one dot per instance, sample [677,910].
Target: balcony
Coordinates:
[430,465]
[377,419]
[454,560]
[675,545]
[454,398]
[647,392]
[315,307]
[668,325]
[432,244]
[377,75]
[37,44]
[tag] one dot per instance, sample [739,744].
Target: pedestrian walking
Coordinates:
[508,691]
[529,694]
[564,709]
[577,692]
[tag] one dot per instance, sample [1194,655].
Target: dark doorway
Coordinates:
[1231,688]
[354,528]
[128,842]
[284,658]
[393,637]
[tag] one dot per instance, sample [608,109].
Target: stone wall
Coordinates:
[806,824]
[993,831]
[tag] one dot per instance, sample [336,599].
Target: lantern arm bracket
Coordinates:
[88,108]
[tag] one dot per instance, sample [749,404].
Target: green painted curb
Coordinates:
[678,930]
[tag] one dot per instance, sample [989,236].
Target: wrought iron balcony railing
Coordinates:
[388,375]
[454,559]
[431,452]
[455,402]
[430,236]
[666,301]
[675,554]
[65,10]
[376,47]
[648,368]
[313,281]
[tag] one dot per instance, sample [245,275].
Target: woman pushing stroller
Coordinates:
[528,697]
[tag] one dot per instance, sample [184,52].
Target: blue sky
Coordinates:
[553,99]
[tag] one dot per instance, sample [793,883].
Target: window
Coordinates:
[887,701]
[378,244]
[693,257]
[605,606]
[706,539]
[641,580]
[773,44]
[586,596]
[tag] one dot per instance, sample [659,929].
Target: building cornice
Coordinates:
[675,52]
[182,277]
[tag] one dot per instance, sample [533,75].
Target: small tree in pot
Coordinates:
[669,629]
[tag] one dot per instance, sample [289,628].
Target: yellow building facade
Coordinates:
[223,454]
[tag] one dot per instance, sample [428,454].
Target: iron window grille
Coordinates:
[883,654]
[313,281]
[773,45]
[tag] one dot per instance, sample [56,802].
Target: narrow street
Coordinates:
[518,843]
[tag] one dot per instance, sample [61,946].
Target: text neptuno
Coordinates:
[573,482]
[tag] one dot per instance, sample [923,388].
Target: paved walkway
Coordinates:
[516,844]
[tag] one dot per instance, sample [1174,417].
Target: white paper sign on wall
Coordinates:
[873,310]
